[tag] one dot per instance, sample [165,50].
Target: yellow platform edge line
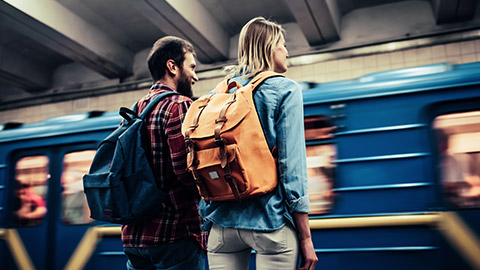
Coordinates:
[17,249]
[462,238]
[430,219]
[449,224]
[87,246]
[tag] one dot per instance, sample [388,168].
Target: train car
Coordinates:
[393,167]
[44,217]
[393,162]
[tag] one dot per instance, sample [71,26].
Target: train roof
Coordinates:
[394,82]
[67,124]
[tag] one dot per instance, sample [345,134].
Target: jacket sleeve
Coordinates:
[291,147]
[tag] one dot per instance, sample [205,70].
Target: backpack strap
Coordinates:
[129,114]
[192,162]
[262,76]
[153,103]
[224,87]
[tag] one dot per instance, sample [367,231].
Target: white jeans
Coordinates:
[230,248]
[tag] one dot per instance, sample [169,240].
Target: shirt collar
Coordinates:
[159,86]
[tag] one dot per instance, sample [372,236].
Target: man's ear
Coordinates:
[172,67]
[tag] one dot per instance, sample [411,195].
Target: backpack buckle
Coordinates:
[221,120]
[219,142]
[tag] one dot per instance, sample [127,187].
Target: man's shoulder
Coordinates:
[179,98]
[174,105]
[174,101]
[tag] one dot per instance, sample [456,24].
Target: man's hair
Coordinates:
[164,49]
[256,44]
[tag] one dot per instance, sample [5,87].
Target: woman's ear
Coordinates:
[172,67]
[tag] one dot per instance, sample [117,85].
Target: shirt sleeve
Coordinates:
[292,158]
[176,141]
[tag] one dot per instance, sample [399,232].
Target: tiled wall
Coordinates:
[334,70]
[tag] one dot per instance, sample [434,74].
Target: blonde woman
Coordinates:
[274,225]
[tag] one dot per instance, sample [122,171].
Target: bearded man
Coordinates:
[173,238]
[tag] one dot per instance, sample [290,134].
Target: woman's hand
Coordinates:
[307,251]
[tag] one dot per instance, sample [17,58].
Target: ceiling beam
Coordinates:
[23,73]
[59,29]
[92,15]
[318,19]
[450,11]
[190,20]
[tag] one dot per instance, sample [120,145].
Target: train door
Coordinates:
[73,217]
[458,141]
[30,212]
[49,210]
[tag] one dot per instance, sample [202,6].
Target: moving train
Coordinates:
[393,165]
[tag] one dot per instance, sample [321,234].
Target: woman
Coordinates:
[275,225]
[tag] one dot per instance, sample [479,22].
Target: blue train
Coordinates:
[393,164]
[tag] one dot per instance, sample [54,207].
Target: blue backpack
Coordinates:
[120,186]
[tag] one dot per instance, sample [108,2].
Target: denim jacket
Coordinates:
[279,105]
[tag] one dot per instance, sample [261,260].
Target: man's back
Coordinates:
[173,238]
[169,165]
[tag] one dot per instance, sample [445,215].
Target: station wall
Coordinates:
[318,71]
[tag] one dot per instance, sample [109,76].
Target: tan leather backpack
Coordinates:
[227,150]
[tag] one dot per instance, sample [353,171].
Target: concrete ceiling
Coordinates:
[49,47]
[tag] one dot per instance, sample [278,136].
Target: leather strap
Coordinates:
[220,123]
[192,161]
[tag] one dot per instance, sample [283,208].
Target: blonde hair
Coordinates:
[256,43]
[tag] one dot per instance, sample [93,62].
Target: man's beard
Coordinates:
[184,85]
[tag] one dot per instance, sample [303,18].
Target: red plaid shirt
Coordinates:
[179,216]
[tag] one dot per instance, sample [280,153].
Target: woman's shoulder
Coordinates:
[281,83]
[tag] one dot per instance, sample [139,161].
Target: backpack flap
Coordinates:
[236,112]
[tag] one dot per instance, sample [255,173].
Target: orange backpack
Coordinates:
[227,150]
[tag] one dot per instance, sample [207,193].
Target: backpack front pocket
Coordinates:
[218,185]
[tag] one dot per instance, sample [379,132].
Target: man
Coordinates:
[173,238]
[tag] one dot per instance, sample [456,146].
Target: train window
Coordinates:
[74,204]
[318,127]
[459,147]
[31,175]
[321,155]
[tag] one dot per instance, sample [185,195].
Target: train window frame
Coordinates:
[321,164]
[450,192]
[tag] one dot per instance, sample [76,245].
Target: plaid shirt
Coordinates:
[178,217]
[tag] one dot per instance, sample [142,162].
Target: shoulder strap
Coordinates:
[154,103]
[224,86]
[262,76]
